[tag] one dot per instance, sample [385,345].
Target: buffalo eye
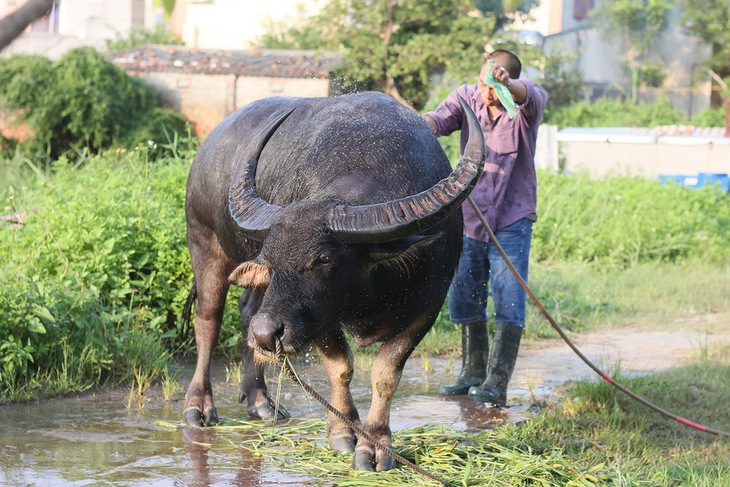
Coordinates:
[320,261]
[315,262]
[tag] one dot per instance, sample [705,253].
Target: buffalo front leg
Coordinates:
[199,406]
[253,383]
[385,376]
[338,364]
[211,287]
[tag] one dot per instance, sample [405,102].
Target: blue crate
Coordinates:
[687,181]
[700,180]
[715,179]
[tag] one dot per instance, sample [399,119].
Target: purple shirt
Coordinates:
[507,189]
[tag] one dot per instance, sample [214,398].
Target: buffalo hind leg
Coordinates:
[253,384]
[384,377]
[338,364]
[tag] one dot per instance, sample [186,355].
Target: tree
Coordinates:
[80,101]
[393,46]
[710,21]
[505,11]
[563,83]
[636,26]
[12,25]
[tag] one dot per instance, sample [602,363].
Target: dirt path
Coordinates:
[633,350]
[544,366]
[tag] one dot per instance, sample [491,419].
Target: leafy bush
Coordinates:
[82,101]
[158,131]
[99,267]
[710,117]
[562,82]
[609,112]
[141,37]
[627,220]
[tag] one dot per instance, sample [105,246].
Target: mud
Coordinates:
[95,439]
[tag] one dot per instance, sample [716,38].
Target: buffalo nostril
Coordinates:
[266,331]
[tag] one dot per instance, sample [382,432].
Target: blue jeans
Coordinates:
[480,266]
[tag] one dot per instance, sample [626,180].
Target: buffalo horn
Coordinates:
[253,214]
[393,220]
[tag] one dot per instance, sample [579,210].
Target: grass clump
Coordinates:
[625,221]
[595,436]
[92,283]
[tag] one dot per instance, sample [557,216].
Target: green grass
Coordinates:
[102,257]
[585,297]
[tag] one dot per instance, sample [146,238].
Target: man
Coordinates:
[507,196]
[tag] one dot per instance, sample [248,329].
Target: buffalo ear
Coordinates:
[400,253]
[253,274]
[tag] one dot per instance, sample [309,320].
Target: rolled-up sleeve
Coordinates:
[535,102]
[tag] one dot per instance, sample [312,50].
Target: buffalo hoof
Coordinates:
[368,458]
[342,442]
[195,417]
[264,407]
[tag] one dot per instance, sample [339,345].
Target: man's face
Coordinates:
[489,96]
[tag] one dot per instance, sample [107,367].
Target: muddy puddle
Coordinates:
[96,439]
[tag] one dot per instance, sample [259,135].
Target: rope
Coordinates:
[562,334]
[283,360]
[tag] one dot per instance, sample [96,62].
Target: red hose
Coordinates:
[562,334]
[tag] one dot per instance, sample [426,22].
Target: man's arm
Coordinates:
[518,90]
[448,115]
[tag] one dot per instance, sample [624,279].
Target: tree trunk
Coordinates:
[390,87]
[12,25]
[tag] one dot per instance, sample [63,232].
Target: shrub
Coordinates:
[609,112]
[142,37]
[82,101]
[628,220]
[158,131]
[102,257]
[709,117]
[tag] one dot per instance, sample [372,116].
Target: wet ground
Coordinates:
[95,439]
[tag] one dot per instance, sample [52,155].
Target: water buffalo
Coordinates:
[336,216]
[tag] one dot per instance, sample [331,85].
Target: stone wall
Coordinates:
[206,99]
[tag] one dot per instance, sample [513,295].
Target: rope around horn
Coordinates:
[283,360]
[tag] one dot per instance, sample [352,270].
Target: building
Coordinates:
[235,24]
[75,23]
[205,24]
[206,85]
[600,62]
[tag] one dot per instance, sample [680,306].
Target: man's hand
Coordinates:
[500,74]
[431,123]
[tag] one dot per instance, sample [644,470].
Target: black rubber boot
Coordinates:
[501,364]
[475,351]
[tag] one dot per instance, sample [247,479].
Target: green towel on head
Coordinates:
[505,97]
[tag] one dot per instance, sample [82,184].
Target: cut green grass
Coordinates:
[594,436]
